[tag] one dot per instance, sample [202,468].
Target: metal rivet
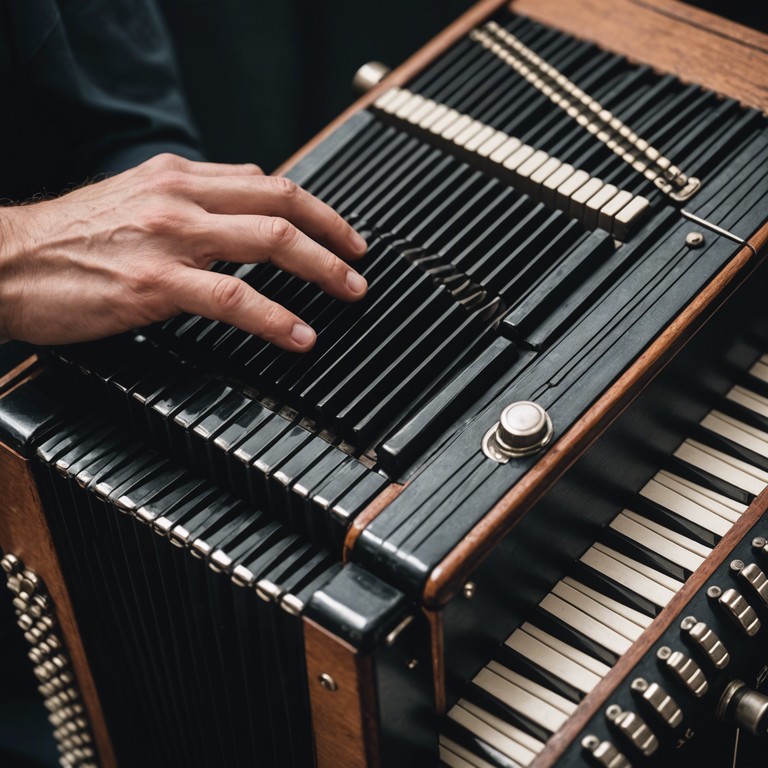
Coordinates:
[694,240]
[590,742]
[714,592]
[328,683]
[688,622]
[737,565]
[612,712]
[759,542]
[639,684]
[469,589]
[412,664]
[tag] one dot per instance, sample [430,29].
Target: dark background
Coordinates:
[264,77]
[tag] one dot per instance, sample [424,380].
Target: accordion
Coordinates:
[509,511]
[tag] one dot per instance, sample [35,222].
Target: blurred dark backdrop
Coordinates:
[263,77]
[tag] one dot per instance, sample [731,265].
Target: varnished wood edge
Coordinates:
[344,720]
[386,497]
[404,72]
[448,576]
[12,378]
[597,697]
[437,646]
[24,532]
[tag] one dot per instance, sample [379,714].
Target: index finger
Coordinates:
[279,197]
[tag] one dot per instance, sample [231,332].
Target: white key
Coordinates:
[401,98]
[760,369]
[410,106]
[569,187]
[456,127]
[687,509]
[490,145]
[544,171]
[628,217]
[592,207]
[529,167]
[432,117]
[734,471]
[509,740]
[631,574]
[582,194]
[421,112]
[549,659]
[737,431]
[551,183]
[607,215]
[387,98]
[449,117]
[510,146]
[478,139]
[748,399]
[524,696]
[699,493]
[473,128]
[637,618]
[639,530]
[517,158]
[575,655]
[456,756]
[585,624]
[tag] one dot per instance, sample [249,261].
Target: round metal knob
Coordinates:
[524,428]
[369,76]
[744,707]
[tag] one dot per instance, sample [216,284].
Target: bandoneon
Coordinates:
[509,511]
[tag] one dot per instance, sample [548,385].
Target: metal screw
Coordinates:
[714,592]
[328,683]
[469,589]
[694,240]
[639,684]
[664,652]
[759,542]
[612,712]
[737,565]
[412,664]
[590,742]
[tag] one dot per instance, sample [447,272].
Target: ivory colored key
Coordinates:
[580,197]
[639,619]
[748,399]
[517,158]
[428,121]
[553,661]
[473,128]
[642,580]
[547,709]
[456,127]
[480,138]
[509,147]
[595,203]
[565,192]
[456,756]
[760,369]
[585,624]
[492,143]
[504,737]
[575,655]
[387,98]
[551,183]
[734,471]
[737,431]
[654,537]
[410,107]
[449,118]
[628,217]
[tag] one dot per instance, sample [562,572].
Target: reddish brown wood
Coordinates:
[344,721]
[670,36]
[600,693]
[11,378]
[446,579]
[437,644]
[388,495]
[24,533]
[404,72]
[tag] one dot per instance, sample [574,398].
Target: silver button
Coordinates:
[524,428]
[756,579]
[636,730]
[604,753]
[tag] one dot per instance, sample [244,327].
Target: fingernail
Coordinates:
[356,283]
[302,334]
[358,243]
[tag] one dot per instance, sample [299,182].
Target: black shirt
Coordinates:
[86,87]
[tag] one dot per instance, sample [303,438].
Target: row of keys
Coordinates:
[589,619]
[533,171]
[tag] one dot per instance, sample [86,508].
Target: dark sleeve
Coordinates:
[95,88]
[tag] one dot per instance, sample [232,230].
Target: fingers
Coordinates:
[225,298]
[278,196]
[247,239]
[170,162]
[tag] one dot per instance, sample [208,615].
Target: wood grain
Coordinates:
[671,37]
[449,575]
[24,533]
[344,721]
[597,697]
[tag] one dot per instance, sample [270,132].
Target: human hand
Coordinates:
[135,249]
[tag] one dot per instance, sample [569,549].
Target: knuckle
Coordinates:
[229,294]
[272,322]
[146,280]
[169,182]
[162,220]
[163,161]
[281,232]
[285,188]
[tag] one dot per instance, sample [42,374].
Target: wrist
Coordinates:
[11,265]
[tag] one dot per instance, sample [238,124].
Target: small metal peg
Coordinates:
[328,683]
[694,240]
[524,428]
[412,664]
[468,590]
[737,565]
[714,592]
[369,76]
